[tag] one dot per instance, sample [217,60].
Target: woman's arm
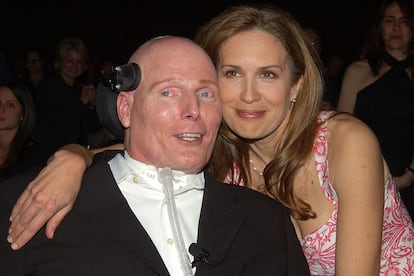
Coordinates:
[358,174]
[405,180]
[50,196]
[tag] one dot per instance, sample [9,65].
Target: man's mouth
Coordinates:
[189,136]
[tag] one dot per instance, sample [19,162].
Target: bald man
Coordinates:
[152,209]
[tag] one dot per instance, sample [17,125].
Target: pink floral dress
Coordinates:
[397,254]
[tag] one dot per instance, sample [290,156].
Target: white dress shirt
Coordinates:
[144,193]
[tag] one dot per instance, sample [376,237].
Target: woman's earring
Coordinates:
[292,103]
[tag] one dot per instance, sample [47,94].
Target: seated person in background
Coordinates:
[17,125]
[61,116]
[139,210]
[35,65]
[379,90]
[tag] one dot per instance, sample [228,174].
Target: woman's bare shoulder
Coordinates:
[351,143]
[359,69]
[345,128]
[357,75]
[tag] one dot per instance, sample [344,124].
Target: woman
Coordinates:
[275,139]
[34,70]
[60,112]
[17,123]
[378,89]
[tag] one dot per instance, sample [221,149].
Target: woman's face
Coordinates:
[72,65]
[396,31]
[11,111]
[255,84]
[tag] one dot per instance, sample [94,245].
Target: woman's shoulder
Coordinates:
[352,145]
[361,65]
[344,121]
[357,75]
[358,69]
[344,128]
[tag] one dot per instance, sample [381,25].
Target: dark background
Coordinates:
[114,29]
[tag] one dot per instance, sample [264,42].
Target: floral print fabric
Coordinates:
[397,254]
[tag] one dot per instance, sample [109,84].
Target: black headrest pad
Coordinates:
[106,109]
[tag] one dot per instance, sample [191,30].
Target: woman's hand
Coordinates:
[48,198]
[404,180]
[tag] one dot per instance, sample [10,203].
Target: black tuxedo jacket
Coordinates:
[243,232]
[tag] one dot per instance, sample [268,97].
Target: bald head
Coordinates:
[164,50]
[172,118]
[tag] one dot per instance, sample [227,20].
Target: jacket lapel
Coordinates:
[219,215]
[109,212]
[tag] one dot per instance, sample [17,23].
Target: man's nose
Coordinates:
[191,108]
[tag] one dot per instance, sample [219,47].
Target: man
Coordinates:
[151,210]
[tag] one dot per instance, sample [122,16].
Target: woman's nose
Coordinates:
[249,94]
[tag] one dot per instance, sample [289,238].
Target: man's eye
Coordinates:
[206,94]
[165,93]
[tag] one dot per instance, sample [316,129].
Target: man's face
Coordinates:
[175,113]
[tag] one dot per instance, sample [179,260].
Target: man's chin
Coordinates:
[189,166]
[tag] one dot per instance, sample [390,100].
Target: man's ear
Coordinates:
[124,103]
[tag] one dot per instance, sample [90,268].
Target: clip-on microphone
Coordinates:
[200,254]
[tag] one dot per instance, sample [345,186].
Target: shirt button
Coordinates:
[170,241]
[135,179]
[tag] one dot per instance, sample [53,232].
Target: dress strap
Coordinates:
[394,63]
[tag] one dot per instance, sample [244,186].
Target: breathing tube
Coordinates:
[166,178]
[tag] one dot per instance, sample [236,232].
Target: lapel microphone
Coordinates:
[200,254]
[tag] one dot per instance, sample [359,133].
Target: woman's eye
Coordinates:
[404,21]
[268,75]
[232,74]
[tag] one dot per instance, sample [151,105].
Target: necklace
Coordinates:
[254,168]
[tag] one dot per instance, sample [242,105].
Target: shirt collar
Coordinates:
[124,166]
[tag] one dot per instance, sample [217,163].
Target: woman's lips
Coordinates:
[250,113]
